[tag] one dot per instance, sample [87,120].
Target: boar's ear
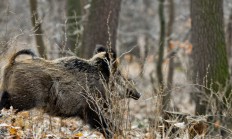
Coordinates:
[110,55]
[100,48]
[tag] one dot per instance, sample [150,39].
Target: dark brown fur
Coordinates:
[63,87]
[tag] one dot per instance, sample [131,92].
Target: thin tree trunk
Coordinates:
[161,44]
[145,49]
[171,60]
[37,29]
[74,11]
[229,39]
[101,27]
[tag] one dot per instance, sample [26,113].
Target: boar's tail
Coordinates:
[21,52]
[4,95]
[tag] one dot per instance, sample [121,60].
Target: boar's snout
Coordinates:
[134,94]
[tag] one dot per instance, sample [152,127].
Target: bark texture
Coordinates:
[101,27]
[37,25]
[209,58]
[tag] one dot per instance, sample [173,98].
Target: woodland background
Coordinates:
[178,52]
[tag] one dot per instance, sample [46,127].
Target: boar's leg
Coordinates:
[97,121]
[4,102]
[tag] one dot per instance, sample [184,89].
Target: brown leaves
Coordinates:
[35,124]
[78,135]
[198,128]
[186,46]
[10,131]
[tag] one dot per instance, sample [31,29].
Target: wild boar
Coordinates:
[64,87]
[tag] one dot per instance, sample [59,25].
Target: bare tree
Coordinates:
[101,27]
[37,25]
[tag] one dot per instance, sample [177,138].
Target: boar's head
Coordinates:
[124,86]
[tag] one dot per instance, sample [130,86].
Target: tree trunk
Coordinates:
[101,27]
[210,64]
[73,24]
[144,49]
[161,44]
[229,39]
[171,60]
[37,29]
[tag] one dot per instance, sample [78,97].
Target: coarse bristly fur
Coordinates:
[64,87]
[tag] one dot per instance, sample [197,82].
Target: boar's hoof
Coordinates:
[107,133]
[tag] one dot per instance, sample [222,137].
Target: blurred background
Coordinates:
[170,48]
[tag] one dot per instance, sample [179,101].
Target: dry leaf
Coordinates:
[4,125]
[180,125]
[171,45]
[25,114]
[78,134]
[12,131]
[217,124]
